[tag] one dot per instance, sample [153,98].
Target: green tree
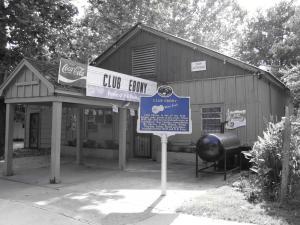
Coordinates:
[213,23]
[30,28]
[291,77]
[287,50]
[271,38]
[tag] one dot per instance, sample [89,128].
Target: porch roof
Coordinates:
[46,75]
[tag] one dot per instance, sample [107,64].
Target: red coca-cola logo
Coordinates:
[73,70]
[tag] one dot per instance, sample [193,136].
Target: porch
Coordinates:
[35,84]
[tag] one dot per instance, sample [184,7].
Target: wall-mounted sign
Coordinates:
[164,113]
[115,108]
[198,66]
[72,73]
[132,112]
[235,119]
[113,85]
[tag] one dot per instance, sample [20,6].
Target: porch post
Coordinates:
[8,150]
[122,137]
[55,142]
[79,132]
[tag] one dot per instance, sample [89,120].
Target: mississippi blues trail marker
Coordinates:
[164,114]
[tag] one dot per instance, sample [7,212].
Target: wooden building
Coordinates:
[215,83]
[220,83]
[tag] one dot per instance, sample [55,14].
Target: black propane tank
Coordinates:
[211,147]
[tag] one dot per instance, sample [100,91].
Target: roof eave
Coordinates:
[121,40]
[23,63]
[141,27]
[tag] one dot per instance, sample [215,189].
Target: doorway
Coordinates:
[142,143]
[34,130]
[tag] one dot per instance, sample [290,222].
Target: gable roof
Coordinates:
[141,27]
[47,72]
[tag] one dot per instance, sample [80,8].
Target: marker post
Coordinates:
[164,114]
[164,160]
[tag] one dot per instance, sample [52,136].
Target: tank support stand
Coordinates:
[214,164]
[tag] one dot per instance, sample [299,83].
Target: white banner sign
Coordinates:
[198,66]
[113,85]
[235,119]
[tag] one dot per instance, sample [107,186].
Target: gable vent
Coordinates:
[144,61]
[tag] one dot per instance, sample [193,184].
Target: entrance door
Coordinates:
[142,143]
[34,130]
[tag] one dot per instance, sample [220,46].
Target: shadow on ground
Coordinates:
[99,193]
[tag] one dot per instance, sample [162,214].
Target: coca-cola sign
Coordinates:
[72,73]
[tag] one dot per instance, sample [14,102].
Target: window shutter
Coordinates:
[144,61]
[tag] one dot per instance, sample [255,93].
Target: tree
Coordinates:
[287,50]
[271,38]
[29,28]
[213,23]
[291,77]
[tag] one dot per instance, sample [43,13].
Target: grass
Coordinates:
[229,204]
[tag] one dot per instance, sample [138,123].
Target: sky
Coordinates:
[250,5]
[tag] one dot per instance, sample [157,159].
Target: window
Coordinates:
[211,119]
[144,61]
[102,116]
[98,116]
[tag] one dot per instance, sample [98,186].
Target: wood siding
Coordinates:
[221,84]
[261,100]
[26,84]
[173,60]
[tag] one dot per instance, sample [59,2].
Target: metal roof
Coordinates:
[50,70]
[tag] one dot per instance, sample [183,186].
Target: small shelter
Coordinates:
[34,84]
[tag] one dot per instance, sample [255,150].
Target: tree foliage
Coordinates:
[30,28]
[291,77]
[213,23]
[272,38]
[266,156]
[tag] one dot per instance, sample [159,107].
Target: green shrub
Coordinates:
[265,157]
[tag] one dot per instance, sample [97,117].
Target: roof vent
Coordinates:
[144,61]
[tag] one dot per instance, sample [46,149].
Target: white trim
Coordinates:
[58,91]
[34,82]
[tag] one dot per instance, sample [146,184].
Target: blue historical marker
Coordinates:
[165,113]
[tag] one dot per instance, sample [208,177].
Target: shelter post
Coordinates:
[122,137]
[8,154]
[55,142]
[79,127]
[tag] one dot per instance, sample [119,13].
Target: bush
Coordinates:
[265,157]
[247,185]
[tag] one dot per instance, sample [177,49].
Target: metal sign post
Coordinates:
[164,115]
[164,142]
